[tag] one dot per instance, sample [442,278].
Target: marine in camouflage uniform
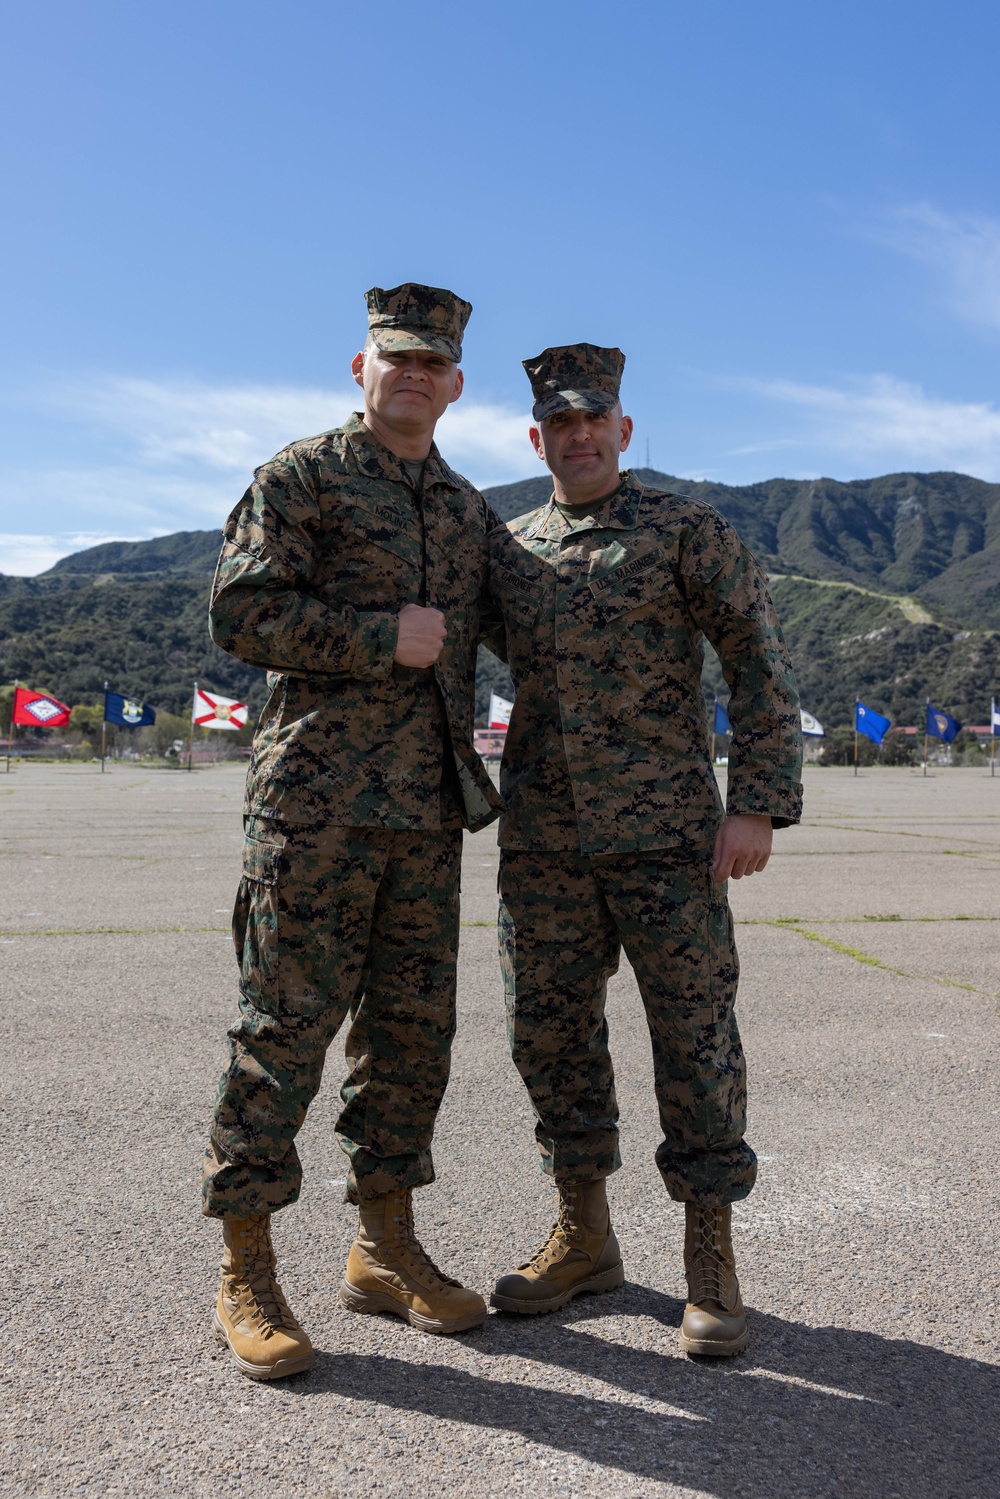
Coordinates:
[614,834]
[361,779]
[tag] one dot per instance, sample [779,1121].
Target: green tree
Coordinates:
[900,749]
[838,748]
[87,718]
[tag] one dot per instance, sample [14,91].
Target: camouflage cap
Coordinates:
[417,317]
[577,377]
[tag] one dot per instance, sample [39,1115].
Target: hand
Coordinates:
[421,636]
[743,846]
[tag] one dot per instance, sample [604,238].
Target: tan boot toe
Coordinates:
[388,1270]
[712,1331]
[580,1256]
[252,1317]
[714,1323]
[261,1351]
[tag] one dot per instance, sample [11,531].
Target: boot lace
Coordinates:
[418,1261]
[266,1308]
[560,1236]
[709,1270]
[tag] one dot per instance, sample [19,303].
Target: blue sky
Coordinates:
[788,216]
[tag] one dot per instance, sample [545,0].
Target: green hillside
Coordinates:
[887,588]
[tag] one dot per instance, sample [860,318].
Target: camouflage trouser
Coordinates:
[328,921]
[563,922]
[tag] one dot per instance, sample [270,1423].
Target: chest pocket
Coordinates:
[519,598]
[641,604]
[384,526]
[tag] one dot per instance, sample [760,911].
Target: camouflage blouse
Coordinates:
[324,549]
[605,614]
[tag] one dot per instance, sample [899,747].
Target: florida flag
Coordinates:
[214,712]
[500,711]
[39,710]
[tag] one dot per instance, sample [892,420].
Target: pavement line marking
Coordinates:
[107,931]
[848,920]
[839,827]
[873,853]
[863,957]
[806,1384]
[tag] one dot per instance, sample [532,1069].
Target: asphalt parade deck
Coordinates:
[868,1253]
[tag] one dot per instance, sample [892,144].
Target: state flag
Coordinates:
[811,726]
[721,724]
[500,711]
[124,710]
[873,725]
[39,710]
[211,711]
[941,725]
[994,716]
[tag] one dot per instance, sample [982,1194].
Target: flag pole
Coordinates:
[191,736]
[10,726]
[855,736]
[993,737]
[715,704]
[104,728]
[926,736]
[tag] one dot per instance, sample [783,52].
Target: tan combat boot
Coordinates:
[252,1316]
[580,1254]
[715,1323]
[388,1270]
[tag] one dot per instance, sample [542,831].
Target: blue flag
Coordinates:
[722,724]
[123,710]
[870,723]
[941,725]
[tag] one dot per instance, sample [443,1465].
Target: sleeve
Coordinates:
[492,633]
[727,595]
[262,610]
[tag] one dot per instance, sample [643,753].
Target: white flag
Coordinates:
[500,711]
[211,711]
[811,725]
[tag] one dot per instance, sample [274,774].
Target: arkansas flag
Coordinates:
[500,711]
[39,710]
[213,712]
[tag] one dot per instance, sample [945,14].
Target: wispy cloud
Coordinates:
[167,425]
[963,248]
[884,420]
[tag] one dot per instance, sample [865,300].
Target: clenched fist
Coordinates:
[421,635]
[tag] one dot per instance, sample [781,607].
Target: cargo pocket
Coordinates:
[255,925]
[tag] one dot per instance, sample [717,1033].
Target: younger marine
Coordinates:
[614,835]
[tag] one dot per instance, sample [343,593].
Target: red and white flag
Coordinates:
[500,711]
[39,710]
[211,711]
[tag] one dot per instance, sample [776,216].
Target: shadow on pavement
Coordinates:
[870,1416]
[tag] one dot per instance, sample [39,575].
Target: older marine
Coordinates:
[614,835]
[353,569]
